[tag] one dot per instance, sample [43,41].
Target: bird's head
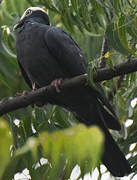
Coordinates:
[33,14]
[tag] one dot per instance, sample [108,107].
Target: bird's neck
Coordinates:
[38,20]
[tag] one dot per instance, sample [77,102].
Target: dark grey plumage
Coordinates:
[46,53]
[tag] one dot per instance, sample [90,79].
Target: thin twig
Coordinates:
[104,50]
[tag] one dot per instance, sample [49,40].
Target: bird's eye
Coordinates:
[28,12]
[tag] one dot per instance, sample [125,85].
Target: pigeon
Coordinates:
[47,54]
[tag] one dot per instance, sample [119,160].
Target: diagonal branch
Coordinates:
[48,91]
[120,69]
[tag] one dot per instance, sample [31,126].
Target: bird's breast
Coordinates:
[33,54]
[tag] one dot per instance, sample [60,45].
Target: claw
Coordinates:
[22,94]
[56,83]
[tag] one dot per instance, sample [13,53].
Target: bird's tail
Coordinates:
[113,158]
[94,109]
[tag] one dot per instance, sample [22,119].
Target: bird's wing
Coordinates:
[28,81]
[66,51]
[71,59]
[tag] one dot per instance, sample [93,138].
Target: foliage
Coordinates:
[57,147]
[32,130]
[4,152]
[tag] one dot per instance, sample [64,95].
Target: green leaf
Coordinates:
[122,33]
[3,80]
[114,41]
[75,145]
[6,142]
[131,25]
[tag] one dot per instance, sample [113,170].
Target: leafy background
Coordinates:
[30,134]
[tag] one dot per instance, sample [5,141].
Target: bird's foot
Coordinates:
[22,94]
[56,83]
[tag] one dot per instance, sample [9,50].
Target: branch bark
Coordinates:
[48,91]
[120,69]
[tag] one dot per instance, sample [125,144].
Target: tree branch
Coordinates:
[48,91]
[120,69]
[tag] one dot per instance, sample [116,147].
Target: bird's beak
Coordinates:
[18,25]
[20,22]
